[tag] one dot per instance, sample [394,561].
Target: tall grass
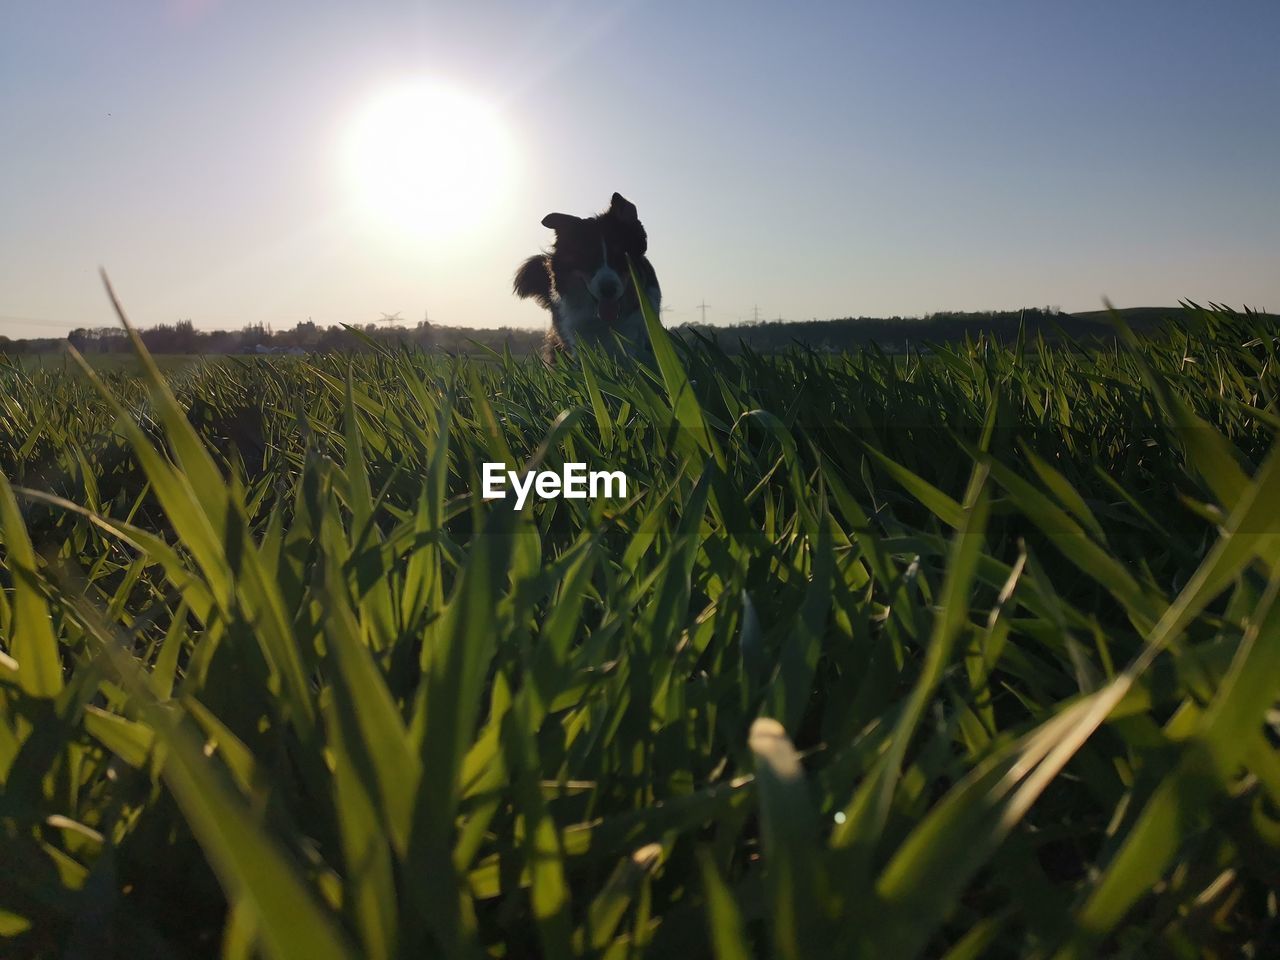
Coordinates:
[966,653]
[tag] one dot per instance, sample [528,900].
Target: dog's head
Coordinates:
[590,255]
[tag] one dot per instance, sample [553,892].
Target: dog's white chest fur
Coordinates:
[578,321]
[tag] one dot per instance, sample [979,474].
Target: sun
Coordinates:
[429,160]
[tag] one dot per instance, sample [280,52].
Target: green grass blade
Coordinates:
[31,642]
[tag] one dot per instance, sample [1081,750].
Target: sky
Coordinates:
[792,160]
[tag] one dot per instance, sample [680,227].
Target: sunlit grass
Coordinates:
[972,653]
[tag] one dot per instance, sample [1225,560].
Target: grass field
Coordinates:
[104,363]
[974,654]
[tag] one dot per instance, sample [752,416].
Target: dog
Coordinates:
[584,281]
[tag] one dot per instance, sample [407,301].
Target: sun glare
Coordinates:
[429,160]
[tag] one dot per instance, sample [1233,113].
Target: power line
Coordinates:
[704,307]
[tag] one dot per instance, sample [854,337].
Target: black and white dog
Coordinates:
[584,281]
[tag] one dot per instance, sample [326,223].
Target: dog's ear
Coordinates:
[560,221]
[623,212]
[623,209]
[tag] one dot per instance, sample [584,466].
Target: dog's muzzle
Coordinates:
[609,302]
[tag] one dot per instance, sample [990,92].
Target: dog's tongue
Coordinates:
[609,311]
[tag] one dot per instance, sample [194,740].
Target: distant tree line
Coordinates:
[894,334]
[184,337]
[891,334]
[899,334]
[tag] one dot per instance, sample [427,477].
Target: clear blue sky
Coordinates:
[814,159]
